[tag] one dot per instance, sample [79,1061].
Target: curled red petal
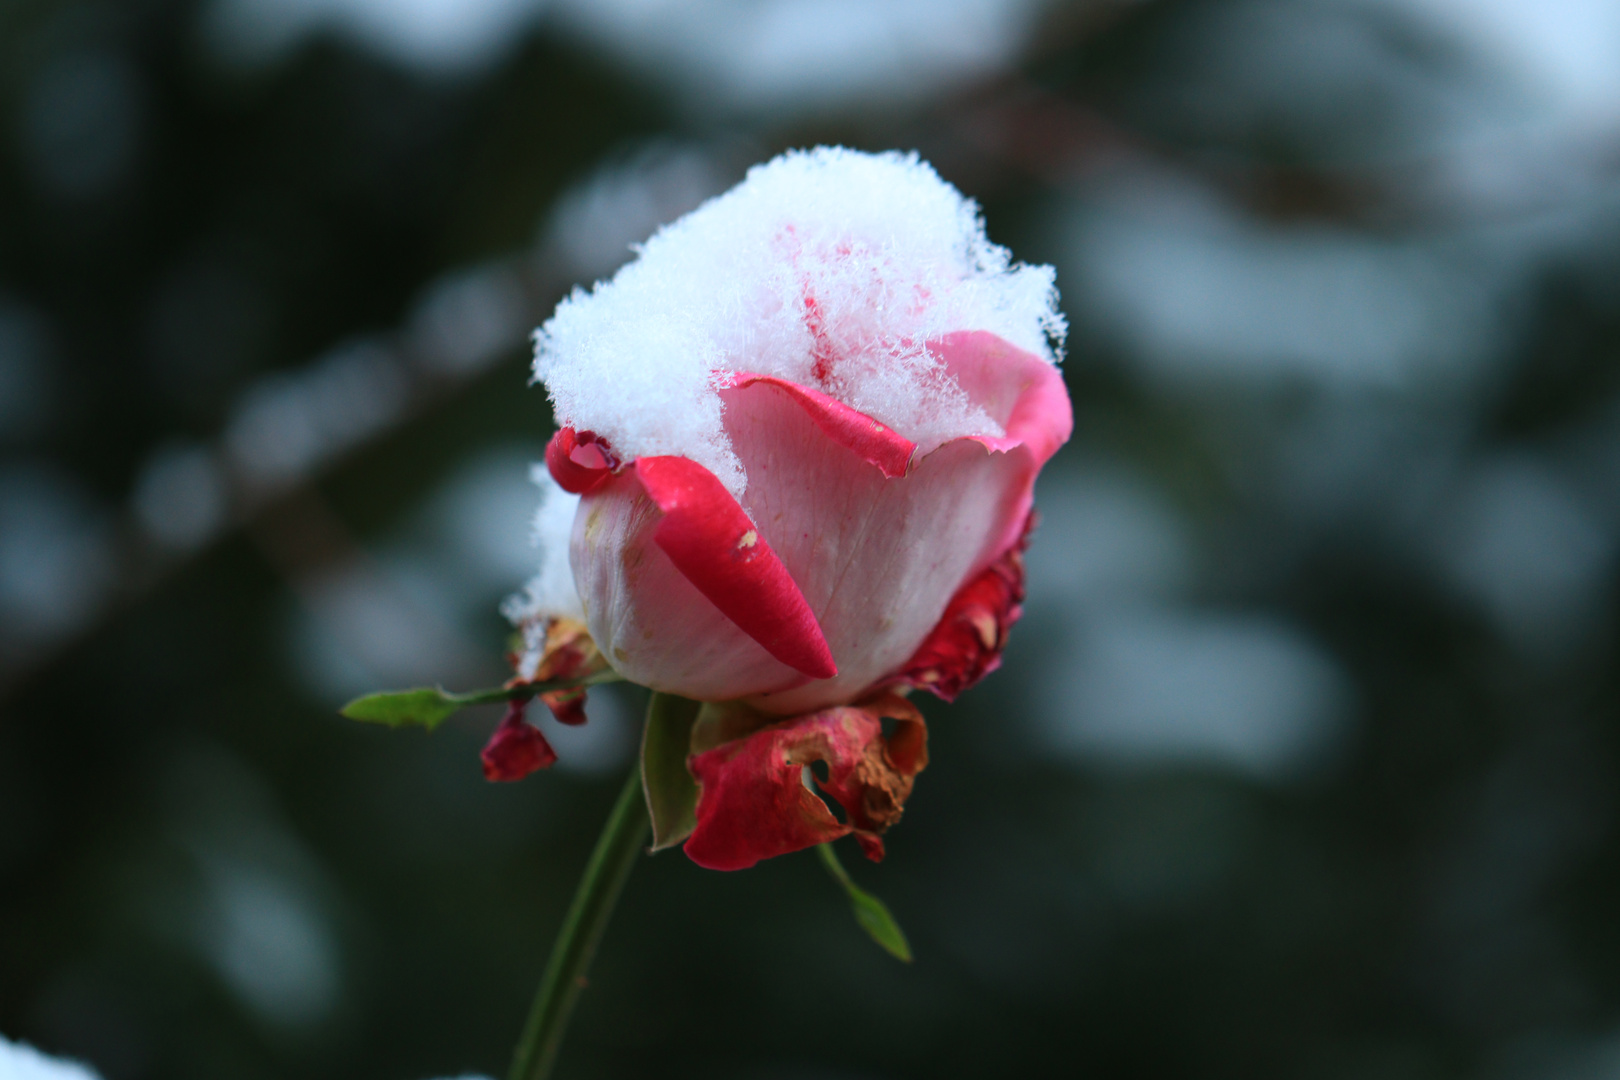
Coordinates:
[579,461]
[879,444]
[516,749]
[717,548]
[753,803]
[967,642]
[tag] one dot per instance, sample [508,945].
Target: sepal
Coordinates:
[671,792]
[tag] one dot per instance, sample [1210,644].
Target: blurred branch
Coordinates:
[292,427]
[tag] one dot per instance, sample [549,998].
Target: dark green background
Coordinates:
[1437,895]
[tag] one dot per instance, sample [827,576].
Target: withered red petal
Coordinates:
[753,804]
[516,749]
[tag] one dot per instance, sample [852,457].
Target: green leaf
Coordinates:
[671,792]
[870,912]
[429,706]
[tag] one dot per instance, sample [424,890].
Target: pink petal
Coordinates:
[878,444]
[878,559]
[709,538]
[1020,391]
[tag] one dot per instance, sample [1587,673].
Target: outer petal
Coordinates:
[710,540]
[753,802]
[564,650]
[967,643]
[649,619]
[1023,393]
[880,445]
[1020,391]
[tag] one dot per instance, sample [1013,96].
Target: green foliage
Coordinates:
[425,706]
[872,913]
[672,794]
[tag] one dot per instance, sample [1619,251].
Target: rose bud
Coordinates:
[798,425]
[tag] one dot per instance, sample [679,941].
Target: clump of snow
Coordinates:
[19,1061]
[551,592]
[830,268]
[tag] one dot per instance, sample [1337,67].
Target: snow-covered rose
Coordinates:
[800,435]
[807,415]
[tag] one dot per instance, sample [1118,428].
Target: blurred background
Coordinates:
[1304,762]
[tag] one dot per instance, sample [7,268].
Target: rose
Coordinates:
[829,580]
[830,572]
[811,487]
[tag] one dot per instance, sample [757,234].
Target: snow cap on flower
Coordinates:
[829,268]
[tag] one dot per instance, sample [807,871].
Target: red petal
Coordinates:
[753,804]
[579,461]
[568,706]
[516,749]
[752,801]
[717,548]
[966,644]
[882,446]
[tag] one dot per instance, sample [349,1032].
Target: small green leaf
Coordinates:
[671,792]
[870,912]
[427,706]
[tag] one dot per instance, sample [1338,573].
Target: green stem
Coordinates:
[525,691]
[623,838]
[829,859]
[872,913]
